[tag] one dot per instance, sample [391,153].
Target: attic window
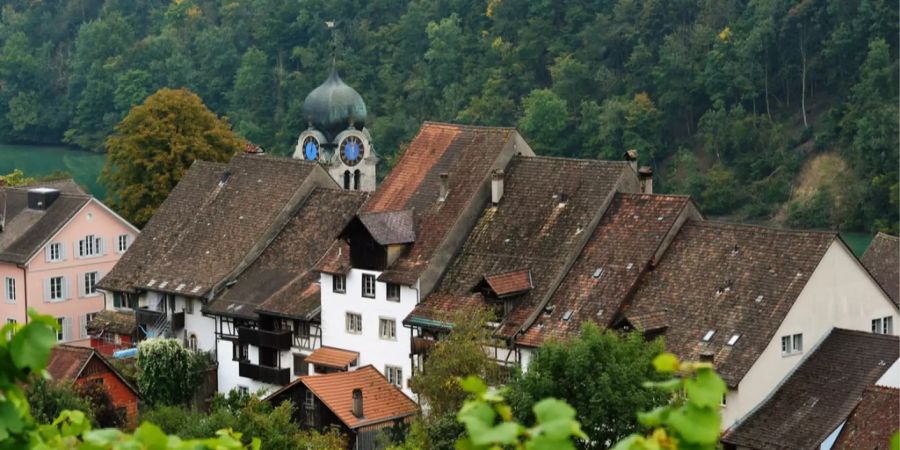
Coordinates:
[759,298]
[563,199]
[734,250]
[598,273]
[733,339]
[709,335]
[224,179]
[548,309]
[629,266]
[567,315]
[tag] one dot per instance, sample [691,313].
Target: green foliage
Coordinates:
[692,418]
[24,351]
[489,422]
[600,373]
[49,398]
[545,121]
[460,354]
[169,373]
[815,212]
[154,146]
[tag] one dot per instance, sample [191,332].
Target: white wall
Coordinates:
[372,349]
[839,293]
[202,326]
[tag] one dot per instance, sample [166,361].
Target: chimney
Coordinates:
[496,186]
[645,177]
[445,188]
[41,198]
[707,357]
[254,149]
[631,156]
[357,403]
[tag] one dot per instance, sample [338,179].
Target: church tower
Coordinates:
[337,136]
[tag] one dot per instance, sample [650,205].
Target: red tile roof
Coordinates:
[882,259]
[332,357]
[872,423]
[509,283]
[382,401]
[66,361]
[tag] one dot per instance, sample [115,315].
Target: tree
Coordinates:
[168,373]
[49,398]
[600,373]
[155,144]
[545,121]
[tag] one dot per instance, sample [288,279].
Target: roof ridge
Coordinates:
[887,236]
[572,160]
[724,224]
[654,195]
[848,332]
[881,387]
[468,126]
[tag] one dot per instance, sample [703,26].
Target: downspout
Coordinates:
[25,282]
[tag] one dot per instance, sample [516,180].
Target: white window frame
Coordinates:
[85,318]
[59,249]
[9,288]
[188,307]
[339,284]
[89,247]
[123,241]
[59,292]
[368,285]
[62,334]
[387,328]
[85,284]
[883,325]
[353,322]
[394,375]
[387,292]
[792,344]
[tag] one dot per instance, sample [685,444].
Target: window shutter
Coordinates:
[47,257]
[101,245]
[62,252]
[46,290]
[76,248]
[65,286]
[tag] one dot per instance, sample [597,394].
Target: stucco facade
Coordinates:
[31,280]
[839,293]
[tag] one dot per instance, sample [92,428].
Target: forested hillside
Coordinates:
[739,103]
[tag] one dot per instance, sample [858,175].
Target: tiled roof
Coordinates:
[336,358]
[25,230]
[872,423]
[467,154]
[882,259]
[382,401]
[537,226]
[281,280]
[438,310]
[820,394]
[112,321]
[336,260]
[731,279]
[610,266]
[211,224]
[391,227]
[66,361]
[509,283]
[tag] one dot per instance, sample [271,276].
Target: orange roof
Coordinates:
[332,357]
[382,401]
[509,283]
[67,361]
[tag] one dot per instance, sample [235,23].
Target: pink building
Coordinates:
[56,243]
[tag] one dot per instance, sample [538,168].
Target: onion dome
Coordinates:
[334,106]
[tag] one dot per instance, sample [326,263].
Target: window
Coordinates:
[884,325]
[85,320]
[368,285]
[393,292]
[90,283]
[55,252]
[354,323]
[339,283]
[709,335]
[192,342]
[733,340]
[12,322]
[240,352]
[724,400]
[122,243]
[300,365]
[243,390]
[62,333]
[387,329]
[394,375]
[188,306]
[56,289]
[90,246]
[122,300]
[791,344]
[10,289]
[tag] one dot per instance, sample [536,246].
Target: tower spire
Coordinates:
[334,43]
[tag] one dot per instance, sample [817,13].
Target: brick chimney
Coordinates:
[357,403]
[645,177]
[445,186]
[496,186]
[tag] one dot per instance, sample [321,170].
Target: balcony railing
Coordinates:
[265,374]
[279,340]
[420,345]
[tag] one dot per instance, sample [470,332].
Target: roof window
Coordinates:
[709,335]
[759,298]
[567,315]
[598,272]
[733,339]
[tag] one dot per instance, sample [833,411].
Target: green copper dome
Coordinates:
[333,106]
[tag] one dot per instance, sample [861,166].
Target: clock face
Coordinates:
[311,148]
[352,150]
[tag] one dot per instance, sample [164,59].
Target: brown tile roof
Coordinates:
[509,283]
[336,358]
[467,154]
[113,322]
[820,394]
[608,270]
[25,231]
[281,280]
[882,259]
[538,226]
[211,224]
[382,401]
[872,423]
[336,260]
[67,361]
[727,278]
[391,227]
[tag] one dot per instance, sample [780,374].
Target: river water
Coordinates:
[39,160]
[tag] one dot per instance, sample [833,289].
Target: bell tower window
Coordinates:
[346,179]
[356,180]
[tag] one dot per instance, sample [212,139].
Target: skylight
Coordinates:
[709,335]
[598,273]
[733,340]
[567,315]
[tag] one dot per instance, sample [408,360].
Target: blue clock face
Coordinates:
[311,149]
[352,150]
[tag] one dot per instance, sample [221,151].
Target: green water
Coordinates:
[39,160]
[858,242]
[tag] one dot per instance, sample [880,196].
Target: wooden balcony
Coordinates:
[279,340]
[265,374]
[421,346]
